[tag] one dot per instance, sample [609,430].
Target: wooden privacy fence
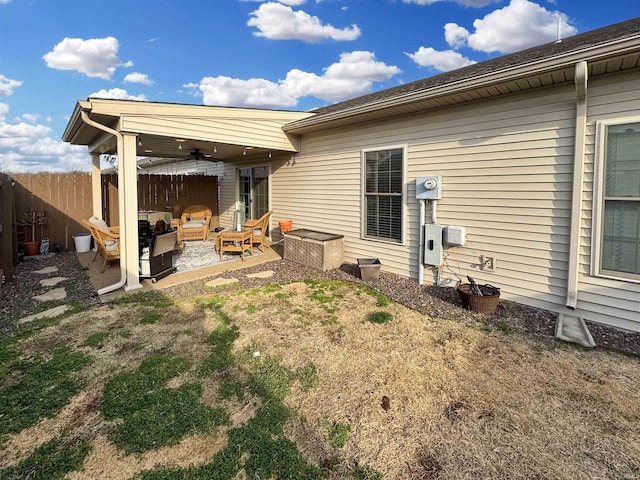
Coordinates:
[66,199]
[168,193]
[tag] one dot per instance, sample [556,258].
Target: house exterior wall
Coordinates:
[601,299]
[507,168]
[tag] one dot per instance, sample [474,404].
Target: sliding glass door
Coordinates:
[253,191]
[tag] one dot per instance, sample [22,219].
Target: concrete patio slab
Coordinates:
[265,274]
[46,270]
[55,294]
[52,312]
[53,281]
[218,282]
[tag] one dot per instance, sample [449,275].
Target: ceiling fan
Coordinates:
[196,154]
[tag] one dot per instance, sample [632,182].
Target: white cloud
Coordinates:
[440,60]
[455,35]
[466,3]
[136,77]
[31,148]
[7,85]
[353,75]
[30,117]
[96,58]
[117,94]
[519,25]
[279,22]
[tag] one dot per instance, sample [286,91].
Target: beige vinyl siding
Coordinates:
[604,300]
[507,169]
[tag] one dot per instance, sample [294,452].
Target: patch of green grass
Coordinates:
[365,472]
[42,389]
[380,317]
[338,434]
[382,300]
[213,302]
[251,309]
[151,318]
[270,379]
[308,377]
[51,460]
[151,299]
[96,339]
[504,327]
[283,296]
[260,447]
[126,334]
[9,355]
[153,415]
[221,356]
[333,320]
[229,390]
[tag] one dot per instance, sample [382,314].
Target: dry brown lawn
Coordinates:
[463,401]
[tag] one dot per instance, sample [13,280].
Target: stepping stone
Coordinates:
[218,282]
[265,274]
[55,294]
[572,328]
[52,312]
[53,281]
[46,270]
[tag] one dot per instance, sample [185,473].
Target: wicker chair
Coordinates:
[106,239]
[194,223]
[260,227]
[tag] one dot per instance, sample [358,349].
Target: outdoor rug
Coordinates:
[198,254]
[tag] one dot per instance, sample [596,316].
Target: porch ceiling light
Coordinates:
[180,142]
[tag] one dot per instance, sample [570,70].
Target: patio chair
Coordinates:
[107,240]
[260,228]
[194,223]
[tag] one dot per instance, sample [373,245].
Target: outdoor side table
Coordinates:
[231,241]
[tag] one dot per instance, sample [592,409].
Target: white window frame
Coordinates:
[598,202]
[363,202]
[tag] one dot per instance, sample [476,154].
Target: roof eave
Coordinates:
[546,65]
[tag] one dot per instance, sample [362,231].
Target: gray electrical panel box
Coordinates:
[433,250]
[429,188]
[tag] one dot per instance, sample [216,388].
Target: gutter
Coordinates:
[581,74]
[123,262]
[558,62]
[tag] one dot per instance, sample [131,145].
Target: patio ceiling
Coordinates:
[175,130]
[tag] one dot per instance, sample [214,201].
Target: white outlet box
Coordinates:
[488,263]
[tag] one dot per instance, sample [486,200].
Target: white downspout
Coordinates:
[123,254]
[581,73]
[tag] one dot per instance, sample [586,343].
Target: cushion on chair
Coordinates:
[110,246]
[257,232]
[98,222]
[194,224]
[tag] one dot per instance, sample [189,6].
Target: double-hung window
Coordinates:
[617,200]
[383,177]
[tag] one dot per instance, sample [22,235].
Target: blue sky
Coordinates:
[287,54]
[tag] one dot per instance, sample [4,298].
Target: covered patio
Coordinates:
[131,129]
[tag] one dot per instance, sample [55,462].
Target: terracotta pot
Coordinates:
[285,225]
[31,248]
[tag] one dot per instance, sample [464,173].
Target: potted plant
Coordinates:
[32,219]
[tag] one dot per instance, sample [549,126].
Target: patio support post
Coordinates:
[128,209]
[96,186]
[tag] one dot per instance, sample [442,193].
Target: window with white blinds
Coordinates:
[620,235]
[383,194]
